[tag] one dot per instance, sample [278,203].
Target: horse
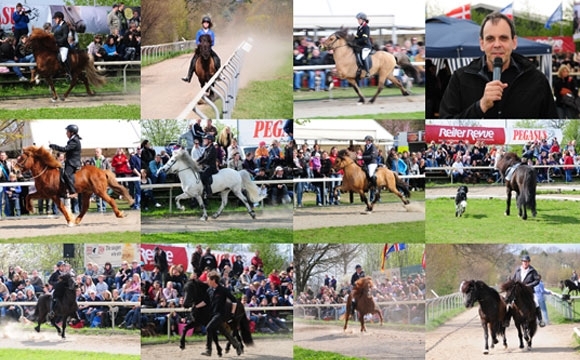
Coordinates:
[47,64]
[383,63]
[355,179]
[570,285]
[205,65]
[520,298]
[522,179]
[46,172]
[365,304]
[64,309]
[492,310]
[224,181]
[195,292]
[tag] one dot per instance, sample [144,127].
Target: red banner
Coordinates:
[175,255]
[470,134]
[559,43]
[462,12]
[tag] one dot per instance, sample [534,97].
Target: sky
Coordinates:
[543,7]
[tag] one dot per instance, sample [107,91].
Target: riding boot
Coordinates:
[367,67]
[353,308]
[51,312]
[67,69]
[191,69]
[216,60]
[206,353]
[539,315]
[373,181]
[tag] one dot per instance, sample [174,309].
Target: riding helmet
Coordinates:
[72,128]
[358,267]
[210,137]
[370,138]
[58,15]
[60,263]
[207,19]
[362,15]
[526,258]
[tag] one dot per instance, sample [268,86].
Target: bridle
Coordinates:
[21,165]
[331,47]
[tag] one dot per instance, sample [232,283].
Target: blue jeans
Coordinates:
[7,205]
[312,78]
[16,69]
[568,175]
[27,59]
[298,79]
[135,190]
[299,188]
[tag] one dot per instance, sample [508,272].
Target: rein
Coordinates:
[21,165]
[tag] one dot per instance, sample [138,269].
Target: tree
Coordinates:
[272,256]
[397,126]
[10,132]
[162,132]
[311,260]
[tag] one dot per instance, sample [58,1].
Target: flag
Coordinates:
[462,12]
[508,11]
[384,257]
[395,247]
[556,16]
[423,261]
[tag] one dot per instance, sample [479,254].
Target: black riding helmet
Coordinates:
[363,16]
[210,137]
[72,129]
[370,138]
[208,20]
[58,15]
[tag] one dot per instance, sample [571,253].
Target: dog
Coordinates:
[461,200]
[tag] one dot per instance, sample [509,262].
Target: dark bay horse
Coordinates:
[383,63]
[195,292]
[520,298]
[355,180]
[365,304]
[45,170]
[64,309]
[47,64]
[205,66]
[570,285]
[492,310]
[522,179]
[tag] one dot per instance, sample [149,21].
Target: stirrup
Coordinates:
[186,79]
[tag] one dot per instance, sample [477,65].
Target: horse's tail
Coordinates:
[93,76]
[402,185]
[529,197]
[118,188]
[245,330]
[252,189]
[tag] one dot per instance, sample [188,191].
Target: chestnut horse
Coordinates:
[47,64]
[89,179]
[383,64]
[355,180]
[205,66]
[365,304]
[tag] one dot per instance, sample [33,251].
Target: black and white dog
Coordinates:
[461,200]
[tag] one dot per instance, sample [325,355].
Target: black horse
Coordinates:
[520,178]
[570,285]
[65,308]
[195,292]
[522,308]
[492,309]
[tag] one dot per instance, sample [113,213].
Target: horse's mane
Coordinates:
[361,286]
[43,156]
[188,160]
[42,41]
[349,38]
[508,159]
[521,292]
[479,285]
[345,153]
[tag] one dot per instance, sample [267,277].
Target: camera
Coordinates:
[27,11]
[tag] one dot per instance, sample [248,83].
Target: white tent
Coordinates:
[341,132]
[106,134]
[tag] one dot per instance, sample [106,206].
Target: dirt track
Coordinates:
[376,343]
[462,337]
[345,107]
[309,218]
[15,336]
[55,225]
[262,349]
[72,102]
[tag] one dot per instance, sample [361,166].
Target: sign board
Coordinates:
[113,253]
[251,132]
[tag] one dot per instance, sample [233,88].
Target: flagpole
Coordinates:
[562,3]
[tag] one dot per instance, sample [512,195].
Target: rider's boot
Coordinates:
[191,69]
[367,67]
[51,312]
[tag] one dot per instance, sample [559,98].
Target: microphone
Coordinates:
[497,64]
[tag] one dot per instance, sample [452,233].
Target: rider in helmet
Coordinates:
[72,161]
[359,273]
[209,159]
[530,277]
[362,39]
[60,31]
[206,25]
[369,156]
[52,281]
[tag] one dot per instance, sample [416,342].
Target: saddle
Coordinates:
[510,171]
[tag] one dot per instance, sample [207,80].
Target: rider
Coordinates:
[369,156]
[530,277]
[362,39]
[206,25]
[359,273]
[218,296]
[209,159]
[53,280]
[574,277]
[72,161]
[60,31]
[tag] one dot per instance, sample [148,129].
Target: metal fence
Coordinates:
[436,307]
[150,52]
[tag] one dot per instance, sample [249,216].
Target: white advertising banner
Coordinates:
[515,136]
[113,253]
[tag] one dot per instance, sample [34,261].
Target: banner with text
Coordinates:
[469,134]
[251,132]
[113,253]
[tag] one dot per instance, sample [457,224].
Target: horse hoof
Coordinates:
[70,224]
[53,100]
[485,352]
[215,216]
[37,328]
[182,346]
[203,218]
[406,93]
[253,215]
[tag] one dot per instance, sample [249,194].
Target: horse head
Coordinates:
[362,287]
[205,46]
[193,292]
[516,290]
[507,159]
[33,154]
[470,292]
[66,280]
[41,40]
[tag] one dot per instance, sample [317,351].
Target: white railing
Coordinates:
[226,88]
[149,52]
[326,67]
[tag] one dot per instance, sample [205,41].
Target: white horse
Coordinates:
[224,181]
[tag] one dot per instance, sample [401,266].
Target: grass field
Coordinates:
[410,232]
[29,354]
[232,236]
[105,111]
[305,354]
[382,116]
[349,93]
[485,222]
[107,237]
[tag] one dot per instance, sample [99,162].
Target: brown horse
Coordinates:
[45,170]
[383,64]
[47,64]
[365,304]
[355,180]
[520,178]
[205,66]
[522,308]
